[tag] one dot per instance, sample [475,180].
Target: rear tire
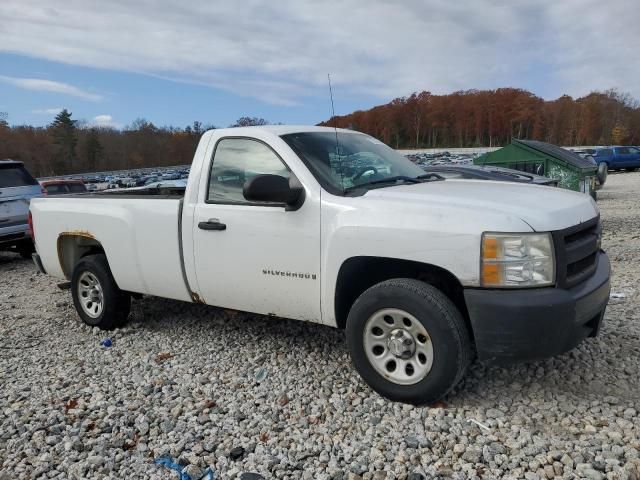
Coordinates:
[408,341]
[96,296]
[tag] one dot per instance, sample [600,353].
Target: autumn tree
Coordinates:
[93,150]
[493,117]
[619,134]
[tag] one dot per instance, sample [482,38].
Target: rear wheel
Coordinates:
[408,341]
[97,298]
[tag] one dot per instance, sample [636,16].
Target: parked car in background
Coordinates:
[488,172]
[584,152]
[618,158]
[17,188]
[63,187]
[332,226]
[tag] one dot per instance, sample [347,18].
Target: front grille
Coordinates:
[577,252]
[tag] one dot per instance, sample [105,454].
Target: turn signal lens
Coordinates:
[490,248]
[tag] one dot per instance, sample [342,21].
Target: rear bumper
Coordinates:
[14,234]
[519,325]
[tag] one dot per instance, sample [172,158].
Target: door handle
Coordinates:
[212,224]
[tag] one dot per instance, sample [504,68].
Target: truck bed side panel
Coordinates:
[139,237]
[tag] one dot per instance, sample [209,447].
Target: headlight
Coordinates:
[514,260]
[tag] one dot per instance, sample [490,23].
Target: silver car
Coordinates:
[17,188]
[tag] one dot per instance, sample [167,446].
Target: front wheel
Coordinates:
[408,341]
[96,296]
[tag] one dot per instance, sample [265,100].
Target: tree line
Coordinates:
[475,118]
[422,120]
[66,146]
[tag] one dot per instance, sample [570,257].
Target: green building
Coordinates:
[570,169]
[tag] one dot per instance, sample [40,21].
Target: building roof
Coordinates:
[556,152]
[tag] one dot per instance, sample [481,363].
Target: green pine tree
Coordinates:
[63,131]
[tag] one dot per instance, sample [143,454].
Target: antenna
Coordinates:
[335,129]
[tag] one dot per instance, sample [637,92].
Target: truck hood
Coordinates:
[542,208]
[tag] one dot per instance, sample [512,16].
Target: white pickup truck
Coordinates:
[334,227]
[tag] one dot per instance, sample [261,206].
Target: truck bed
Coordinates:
[138,230]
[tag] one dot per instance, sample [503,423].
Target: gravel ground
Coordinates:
[249,394]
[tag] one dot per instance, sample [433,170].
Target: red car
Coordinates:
[63,187]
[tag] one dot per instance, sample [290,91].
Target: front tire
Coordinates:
[96,296]
[408,341]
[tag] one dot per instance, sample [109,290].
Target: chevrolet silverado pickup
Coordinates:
[332,226]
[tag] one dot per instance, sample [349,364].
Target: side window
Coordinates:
[236,161]
[622,151]
[605,152]
[634,150]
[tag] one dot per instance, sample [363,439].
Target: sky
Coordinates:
[110,62]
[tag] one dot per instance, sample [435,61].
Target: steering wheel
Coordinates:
[363,171]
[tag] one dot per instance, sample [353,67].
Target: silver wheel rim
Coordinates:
[398,346]
[90,294]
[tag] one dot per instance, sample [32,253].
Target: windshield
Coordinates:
[353,160]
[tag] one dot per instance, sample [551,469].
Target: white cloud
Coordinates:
[282,51]
[42,85]
[47,111]
[105,121]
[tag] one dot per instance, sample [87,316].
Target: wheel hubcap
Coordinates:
[401,343]
[398,346]
[90,294]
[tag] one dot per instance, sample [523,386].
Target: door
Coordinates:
[254,256]
[634,157]
[623,157]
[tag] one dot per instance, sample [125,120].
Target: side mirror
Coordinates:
[276,189]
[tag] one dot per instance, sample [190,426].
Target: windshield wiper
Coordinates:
[432,176]
[397,178]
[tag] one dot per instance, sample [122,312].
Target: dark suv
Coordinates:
[17,188]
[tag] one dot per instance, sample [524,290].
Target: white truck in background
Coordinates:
[334,227]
